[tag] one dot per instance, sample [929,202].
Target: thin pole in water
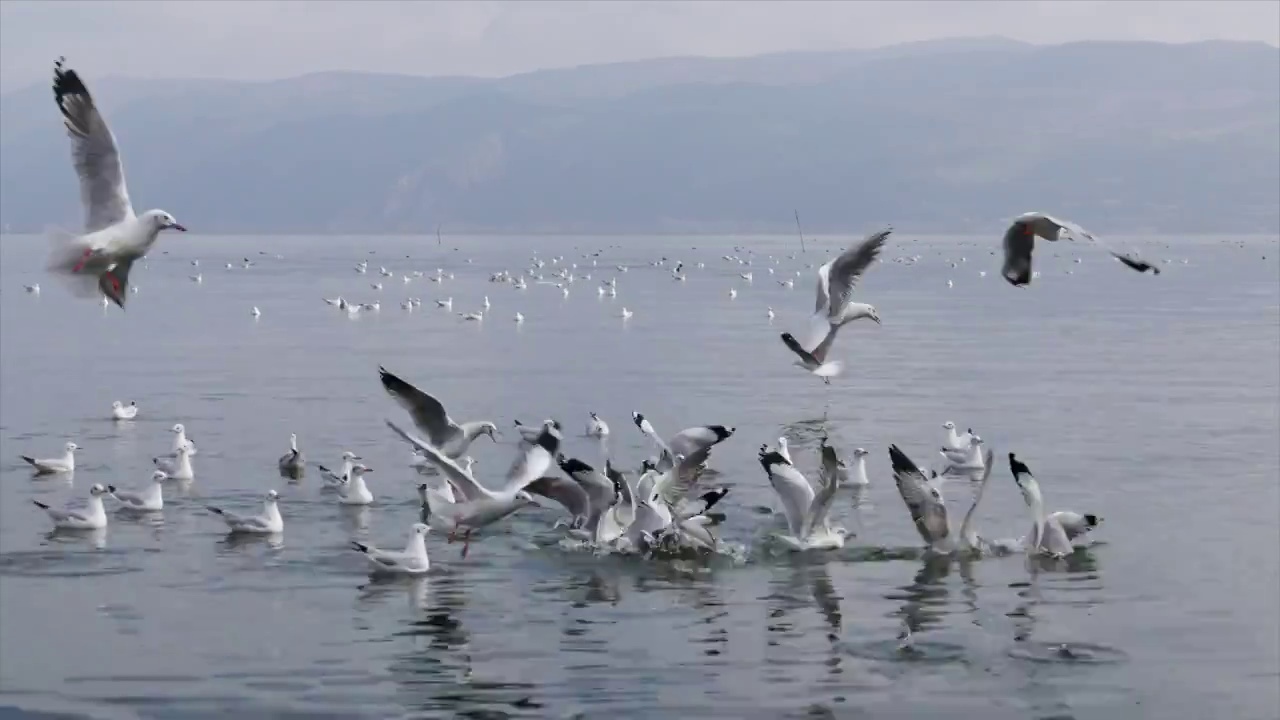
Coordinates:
[437,235]
[800,231]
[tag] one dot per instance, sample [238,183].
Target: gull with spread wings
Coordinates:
[445,435]
[114,238]
[1020,239]
[834,306]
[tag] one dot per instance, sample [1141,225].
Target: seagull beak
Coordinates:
[176,226]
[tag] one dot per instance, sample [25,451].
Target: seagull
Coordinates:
[477,316]
[598,495]
[1048,536]
[929,511]
[693,443]
[478,506]
[197,278]
[953,440]
[64,464]
[91,517]
[149,499]
[412,561]
[519,318]
[1075,524]
[355,491]
[1019,241]
[292,464]
[597,427]
[806,512]
[529,435]
[626,314]
[834,307]
[268,523]
[33,289]
[447,303]
[180,468]
[430,417]
[255,312]
[770,314]
[860,467]
[100,259]
[331,477]
[180,441]
[120,412]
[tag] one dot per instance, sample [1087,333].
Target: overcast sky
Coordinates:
[267,39]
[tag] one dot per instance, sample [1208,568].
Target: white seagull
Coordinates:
[100,259]
[268,523]
[807,512]
[479,506]
[149,499]
[348,461]
[355,491]
[1048,536]
[597,427]
[91,517]
[180,466]
[928,509]
[64,464]
[119,411]
[412,561]
[834,306]
[430,417]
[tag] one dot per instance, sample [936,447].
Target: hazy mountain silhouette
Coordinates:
[949,136]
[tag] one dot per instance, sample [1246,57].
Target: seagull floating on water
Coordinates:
[92,517]
[292,464]
[120,411]
[64,464]
[412,561]
[150,499]
[268,523]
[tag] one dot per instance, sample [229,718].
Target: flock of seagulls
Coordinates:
[662,506]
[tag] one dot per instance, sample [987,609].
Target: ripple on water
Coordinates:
[1068,653]
[919,651]
[52,564]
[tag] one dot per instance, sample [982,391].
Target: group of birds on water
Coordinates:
[661,507]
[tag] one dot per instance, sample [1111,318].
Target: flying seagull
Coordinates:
[114,238]
[1019,241]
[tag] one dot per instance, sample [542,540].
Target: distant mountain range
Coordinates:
[952,136]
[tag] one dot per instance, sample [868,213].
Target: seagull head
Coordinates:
[159,476]
[491,430]
[1092,520]
[95,490]
[348,455]
[860,452]
[948,425]
[360,469]
[72,447]
[871,313]
[272,495]
[421,529]
[164,221]
[117,405]
[177,428]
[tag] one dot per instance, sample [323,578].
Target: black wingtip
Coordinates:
[548,440]
[900,461]
[573,466]
[637,418]
[40,505]
[711,497]
[214,510]
[111,489]
[768,458]
[30,460]
[359,547]
[1017,467]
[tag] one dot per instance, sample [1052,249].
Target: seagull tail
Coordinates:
[30,460]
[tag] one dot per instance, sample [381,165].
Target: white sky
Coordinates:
[267,39]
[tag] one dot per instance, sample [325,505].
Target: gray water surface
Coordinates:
[1151,401]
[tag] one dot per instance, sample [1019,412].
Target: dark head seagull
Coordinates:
[1020,237]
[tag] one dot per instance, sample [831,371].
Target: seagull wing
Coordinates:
[824,297]
[923,500]
[461,481]
[93,151]
[427,412]
[849,267]
[826,495]
[967,534]
[792,488]
[805,356]
[567,492]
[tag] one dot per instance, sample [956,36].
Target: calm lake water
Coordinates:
[1151,401]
